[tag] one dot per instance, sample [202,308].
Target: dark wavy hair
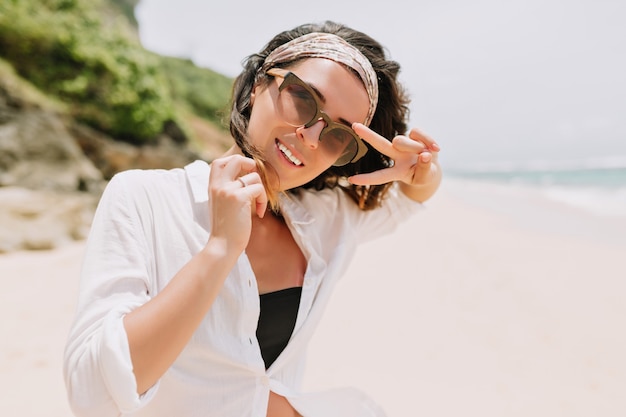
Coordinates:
[389,119]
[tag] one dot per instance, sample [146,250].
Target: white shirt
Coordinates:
[147,226]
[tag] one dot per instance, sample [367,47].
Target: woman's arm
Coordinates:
[159,329]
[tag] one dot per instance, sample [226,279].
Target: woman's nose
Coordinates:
[311,135]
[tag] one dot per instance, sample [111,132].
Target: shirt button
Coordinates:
[250,340]
[249,283]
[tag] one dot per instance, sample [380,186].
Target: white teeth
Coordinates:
[289,155]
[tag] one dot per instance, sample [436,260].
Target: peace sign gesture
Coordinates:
[414,162]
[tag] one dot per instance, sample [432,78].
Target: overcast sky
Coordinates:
[492,81]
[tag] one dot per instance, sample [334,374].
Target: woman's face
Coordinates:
[294,152]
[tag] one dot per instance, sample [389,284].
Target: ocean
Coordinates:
[596,186]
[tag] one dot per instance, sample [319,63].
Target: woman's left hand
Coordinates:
[414,159]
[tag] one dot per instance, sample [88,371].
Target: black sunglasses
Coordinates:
[299,106]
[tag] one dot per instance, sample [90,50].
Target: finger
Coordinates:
[417,135]
[422,168]
[238,160]
[253,186]
[259,195]
[380,143]
[405,144]
[231,167]
[248,179]
[382,176]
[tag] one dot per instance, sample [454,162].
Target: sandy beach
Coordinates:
[491,302]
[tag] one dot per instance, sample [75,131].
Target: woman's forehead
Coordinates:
[324,70]
[343,90]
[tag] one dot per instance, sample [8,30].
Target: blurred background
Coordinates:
[524,91]
[518,92]
[497,83]
[515,306]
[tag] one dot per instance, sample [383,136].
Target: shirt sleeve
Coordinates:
[114,280]
[395,208]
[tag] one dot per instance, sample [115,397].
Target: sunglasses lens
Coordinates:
[297,105]
[337,141]
[344,152]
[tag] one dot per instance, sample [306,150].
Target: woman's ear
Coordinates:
[253,94]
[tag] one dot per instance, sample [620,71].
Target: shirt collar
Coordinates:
[198,177]
[293,209]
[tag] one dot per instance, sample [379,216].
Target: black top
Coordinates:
[277,320]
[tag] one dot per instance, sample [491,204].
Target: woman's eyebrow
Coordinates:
[317,92]
[323,100]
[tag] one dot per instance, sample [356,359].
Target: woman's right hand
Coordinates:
[235,193]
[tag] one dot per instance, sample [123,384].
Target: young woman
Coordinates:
[202,286]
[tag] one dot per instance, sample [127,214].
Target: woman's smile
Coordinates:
[288,154]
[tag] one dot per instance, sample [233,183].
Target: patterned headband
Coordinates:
[335,48]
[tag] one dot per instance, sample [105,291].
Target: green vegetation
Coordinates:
[127,8]
[86,54]
[26,93]
[198,90]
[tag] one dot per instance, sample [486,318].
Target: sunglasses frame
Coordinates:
[291,78]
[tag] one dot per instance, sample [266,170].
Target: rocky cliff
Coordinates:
[53,169]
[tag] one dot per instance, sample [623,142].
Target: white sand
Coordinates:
[37,302]
[491,302]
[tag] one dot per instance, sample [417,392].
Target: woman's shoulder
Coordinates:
[327,194]
[331,202]
[147,178]
[148,185]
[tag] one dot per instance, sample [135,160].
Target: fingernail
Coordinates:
[425,157]
[435,147]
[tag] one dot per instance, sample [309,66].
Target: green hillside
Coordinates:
[86,54]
